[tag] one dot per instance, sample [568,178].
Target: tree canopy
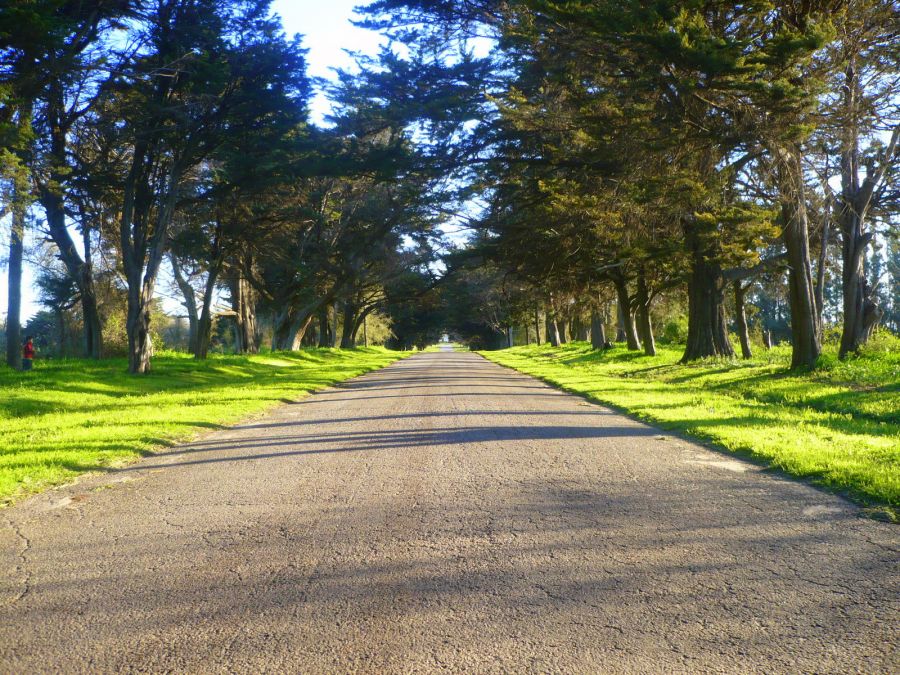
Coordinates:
[707,168]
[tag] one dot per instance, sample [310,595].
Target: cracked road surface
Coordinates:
[444,514]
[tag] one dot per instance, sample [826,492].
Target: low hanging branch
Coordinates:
[741,273]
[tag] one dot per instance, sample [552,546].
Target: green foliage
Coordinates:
[839,426]
[675,331]
[65,418]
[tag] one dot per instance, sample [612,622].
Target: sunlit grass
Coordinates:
[838,426]
[68,417]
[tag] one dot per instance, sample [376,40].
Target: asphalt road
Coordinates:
[445,514]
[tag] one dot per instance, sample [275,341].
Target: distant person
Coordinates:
[27,353]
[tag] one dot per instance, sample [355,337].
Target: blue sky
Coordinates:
[327,31]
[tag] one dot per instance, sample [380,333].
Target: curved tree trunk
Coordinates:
[645,324]
[741,319]
[51,198]
[861,311]
[806,336]
[360,322]
[78,269]
[626,318]
[561,332]
[190,303]
[283,329]
[204,326]
[300,327]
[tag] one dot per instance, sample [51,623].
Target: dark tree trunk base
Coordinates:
[707,325]
[741,318]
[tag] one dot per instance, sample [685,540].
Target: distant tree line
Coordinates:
[733,157]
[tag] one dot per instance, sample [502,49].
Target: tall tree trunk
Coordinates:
[334,326]
[243,302]
[359,323]
[78,269]
[537,327]
[348,331]
[14,284]
[300,327]
[626,317]
[561,332]
[645,324]
[51,198]
[621,333]
[806,336]
[509,336]
[861,312]
[553,336]
[707,321]
[598,330]
[365,328]
[20,185]
[143,248]
[137,324]
[204,327]
[820,270]
[741,318]
[61,319]
[283,329]
[291,324]
[324,326]
[189,303]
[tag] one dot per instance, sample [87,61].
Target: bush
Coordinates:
[675,331]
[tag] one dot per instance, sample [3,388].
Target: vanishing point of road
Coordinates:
[445,514]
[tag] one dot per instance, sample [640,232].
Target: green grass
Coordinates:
[838,427]
[66,418]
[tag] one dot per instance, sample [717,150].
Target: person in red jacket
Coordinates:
[27,353]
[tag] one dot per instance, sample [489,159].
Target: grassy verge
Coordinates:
[65,418]
[838,427]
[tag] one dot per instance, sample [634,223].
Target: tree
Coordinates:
[57,54]
[203,78]
[16,190]
[866,59]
